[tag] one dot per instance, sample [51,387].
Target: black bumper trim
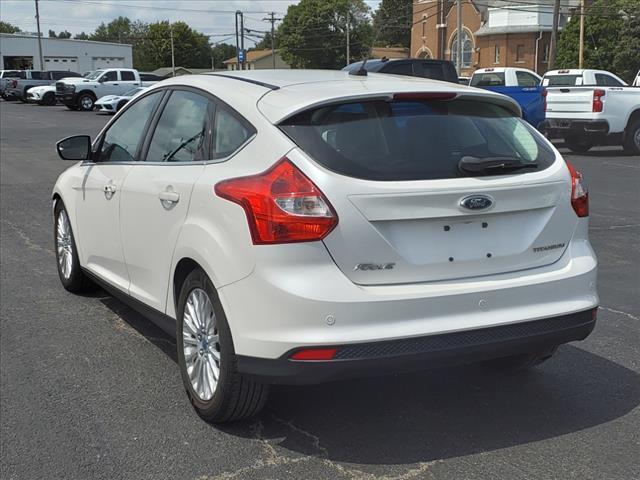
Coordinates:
[567,125]
[372,359]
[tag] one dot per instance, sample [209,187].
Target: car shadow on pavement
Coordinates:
[431,415]
[445,413]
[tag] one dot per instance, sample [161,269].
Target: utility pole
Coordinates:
[242,39]
[459,36]
[173,59]
[348,33]
[272,18]
[581,51]
[39,36]
[238,13]
[554,35]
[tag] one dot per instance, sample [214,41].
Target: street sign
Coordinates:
[241,55]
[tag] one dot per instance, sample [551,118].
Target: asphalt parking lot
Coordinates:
[90,389]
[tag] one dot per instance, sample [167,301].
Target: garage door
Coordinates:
[108,62]
[61,63]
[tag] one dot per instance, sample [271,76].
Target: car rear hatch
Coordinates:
[402,175]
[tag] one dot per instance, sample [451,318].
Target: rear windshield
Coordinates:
[490,79]
[413,140]
[561,80]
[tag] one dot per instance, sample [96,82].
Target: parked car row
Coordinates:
[105,89]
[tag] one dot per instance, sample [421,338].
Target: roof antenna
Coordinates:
[361,72]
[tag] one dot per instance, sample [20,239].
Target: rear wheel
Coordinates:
[86,102]
[632,138]
[48,99]
[578,143]
[69,271]
[207,360]
[522,361]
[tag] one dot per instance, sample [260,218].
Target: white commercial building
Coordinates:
[20,51]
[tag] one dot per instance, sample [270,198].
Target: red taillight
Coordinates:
[14,83]
[314,354]
[579,193]
[597,100]
[544,99]
[424,96]
[282,205]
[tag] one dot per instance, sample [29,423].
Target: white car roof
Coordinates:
[279,94]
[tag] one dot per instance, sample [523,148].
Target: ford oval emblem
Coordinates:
[476,202]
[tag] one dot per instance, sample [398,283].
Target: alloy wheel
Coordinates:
[201,344]
[64,244]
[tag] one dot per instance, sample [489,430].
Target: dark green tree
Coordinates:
[392,23]
[81,36]
[265,42]
[6,27]
[52,34]
[313,33]
[117,31]
[222,52]
[191,48]
[612,38]
[63,34]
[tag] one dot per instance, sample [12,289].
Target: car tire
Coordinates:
[71,107]
[86,102]
[49,99]
[71,275]
[523,361]
[205,345]
[578,143]
[632,138]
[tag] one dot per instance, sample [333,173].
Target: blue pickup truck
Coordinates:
[518,83]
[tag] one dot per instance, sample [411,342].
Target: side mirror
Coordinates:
[102,79]
[77,147]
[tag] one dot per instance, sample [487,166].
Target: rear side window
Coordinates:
[229,133]
[603,80]
[399,69]
[491,79]
[562,80]
[413,140]
[526,79]
[36,75]
[127,76]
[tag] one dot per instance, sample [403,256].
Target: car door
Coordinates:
[157,191]
[110,84]
[128,80]
[99,192]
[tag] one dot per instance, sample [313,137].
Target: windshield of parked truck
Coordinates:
[94,75]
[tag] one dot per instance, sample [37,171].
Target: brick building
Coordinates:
[496,33]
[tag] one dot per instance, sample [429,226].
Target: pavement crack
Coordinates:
[619,312]
[27,240]
[315,439]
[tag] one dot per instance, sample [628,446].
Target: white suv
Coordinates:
[305,226]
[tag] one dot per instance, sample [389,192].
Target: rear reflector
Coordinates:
[282,205]
[544,99]
[579,193]
[314,354]
[443,96]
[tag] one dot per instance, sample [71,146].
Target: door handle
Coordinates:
[169,198]
[109,190]
[115,84]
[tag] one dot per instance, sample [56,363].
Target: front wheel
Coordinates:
[49,99]
[86,102]
[578,144]
[632,138]
[206,356]
[69,271]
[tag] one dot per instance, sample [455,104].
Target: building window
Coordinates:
[545,53]
[467,49]
[496,54]
[424,29]
[520,53]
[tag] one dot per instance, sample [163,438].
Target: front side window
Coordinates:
[182,131]
[122,140]
[415,140]
[111,76]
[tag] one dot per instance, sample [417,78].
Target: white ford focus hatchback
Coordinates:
[305,226]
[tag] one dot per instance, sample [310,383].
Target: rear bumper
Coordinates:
[569,126]
[379,358]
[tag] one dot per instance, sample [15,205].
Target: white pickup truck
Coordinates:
[82,93]
[592,107]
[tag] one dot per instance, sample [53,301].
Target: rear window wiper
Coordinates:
[492,165]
